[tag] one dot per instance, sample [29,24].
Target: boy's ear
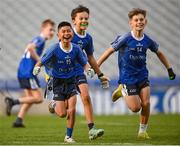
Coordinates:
[73,21]
[146,21]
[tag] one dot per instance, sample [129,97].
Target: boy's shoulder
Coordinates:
[148,37]
[38,38]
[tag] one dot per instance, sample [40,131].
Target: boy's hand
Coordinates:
[171,74]
[36,70]
[90,72]
[104,81]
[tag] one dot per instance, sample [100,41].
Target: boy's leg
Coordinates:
[88,109]
[29,93]
[71,115]
[130,93]
[60,109]
[84,92]
[145,112]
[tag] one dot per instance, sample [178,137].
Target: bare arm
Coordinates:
[32,50]
[163,59]
[94,64]
[105,56]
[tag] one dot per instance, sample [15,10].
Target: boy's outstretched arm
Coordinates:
[94,64]
[105,56]
[164,61]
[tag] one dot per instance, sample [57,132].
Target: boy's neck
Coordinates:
[80,31]
[66,46]
[43,36]
[138,34]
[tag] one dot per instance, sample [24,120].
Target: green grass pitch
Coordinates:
[119,130]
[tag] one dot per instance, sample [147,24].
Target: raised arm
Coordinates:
[165,62]
[105,56]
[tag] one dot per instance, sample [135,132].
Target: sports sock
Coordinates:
[69,132]
[19,120]
[142,128]
[90,125]
[16,101]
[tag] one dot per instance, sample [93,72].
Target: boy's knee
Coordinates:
[145,104]
[39,100]
[86,99]
[62,115]
[72,111]
[135,109]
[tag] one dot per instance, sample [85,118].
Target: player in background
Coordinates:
[60,61]
[133,74]
[28,82]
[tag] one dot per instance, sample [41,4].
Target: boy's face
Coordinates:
[81,20]
[65,34]
[48,31]
[138,22]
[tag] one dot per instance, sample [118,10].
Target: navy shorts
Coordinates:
[81,79]
[64,88]
[29,83]
[134,89]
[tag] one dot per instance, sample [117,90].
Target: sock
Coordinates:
[69,132]
[90,125]
[16,101]
[19,120]
[142,128]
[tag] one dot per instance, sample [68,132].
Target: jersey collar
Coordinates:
[138,39]
[81,36]
[66,51]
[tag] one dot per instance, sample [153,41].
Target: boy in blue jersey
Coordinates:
[133,74]
[28,82]
[80,18]
[60,62]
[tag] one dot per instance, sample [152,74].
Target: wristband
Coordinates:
[100,75]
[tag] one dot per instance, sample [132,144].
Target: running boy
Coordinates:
[28,82]
[133,74]
[60,61]
[80,19]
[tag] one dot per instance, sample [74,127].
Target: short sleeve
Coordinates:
[119,42]
[38,41]
[153,46]
[90,47]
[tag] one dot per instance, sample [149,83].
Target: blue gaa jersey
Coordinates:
[132,57]
[85,42]
[27,63]
[61,63]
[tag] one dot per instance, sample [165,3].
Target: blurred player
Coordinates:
[28,82]
[133,74]
[61,60]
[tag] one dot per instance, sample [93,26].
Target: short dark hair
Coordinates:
[79,9]
[47,22]
[136,11]
[64,23]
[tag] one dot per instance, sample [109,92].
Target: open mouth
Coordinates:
[84,24]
